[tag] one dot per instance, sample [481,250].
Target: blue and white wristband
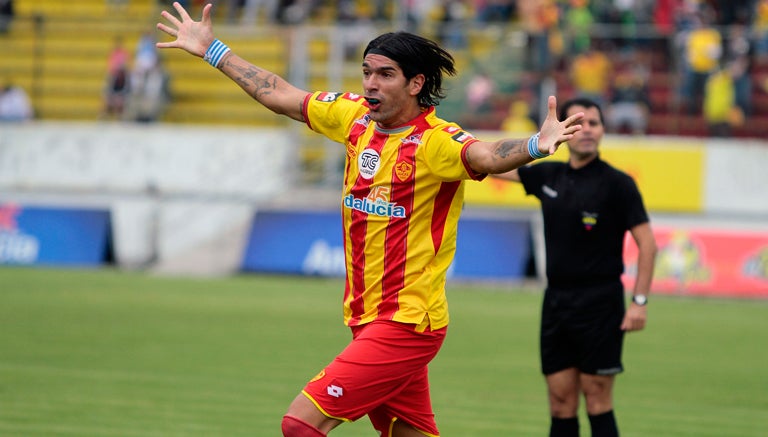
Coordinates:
[533,147]
[215,53]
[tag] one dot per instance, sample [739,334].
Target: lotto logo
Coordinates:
[335,391]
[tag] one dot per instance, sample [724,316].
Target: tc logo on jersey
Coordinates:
[368,163]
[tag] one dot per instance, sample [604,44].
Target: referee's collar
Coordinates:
[590,167]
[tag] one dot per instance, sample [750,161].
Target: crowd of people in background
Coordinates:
[709,46]
[600,48]
[137,87]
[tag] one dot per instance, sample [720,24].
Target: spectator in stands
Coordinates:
[519,121]
[719,104]
[703,50]
[453,17]
[480,89]
[6,15]
[116,83]
[738,55]
[116,91]
[149,93]
[630,103]
[539,19]
[578,21]
[252,9]
[146,56]
[496,11]
[760,29]
[591,73]
[15,105]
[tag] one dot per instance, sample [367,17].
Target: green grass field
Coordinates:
[108,353]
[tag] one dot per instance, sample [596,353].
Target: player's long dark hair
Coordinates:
[416,55]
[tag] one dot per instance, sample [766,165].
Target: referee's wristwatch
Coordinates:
[640,299]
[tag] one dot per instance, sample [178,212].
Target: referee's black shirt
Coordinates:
[586,215]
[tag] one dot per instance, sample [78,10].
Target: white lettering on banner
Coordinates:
[324,259]
[18,248]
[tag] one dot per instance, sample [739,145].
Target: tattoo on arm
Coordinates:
[507,147]
[255,81]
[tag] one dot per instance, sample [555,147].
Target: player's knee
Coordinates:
[295,427]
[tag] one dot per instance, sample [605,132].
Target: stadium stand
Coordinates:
[58,50]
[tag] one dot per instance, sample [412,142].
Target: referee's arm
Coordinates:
[635,317]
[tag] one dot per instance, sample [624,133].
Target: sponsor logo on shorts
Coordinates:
[334,389]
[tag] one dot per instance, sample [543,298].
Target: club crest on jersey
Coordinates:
[462,137]
[368,162]
[588,219]
[403,170]
[327,97]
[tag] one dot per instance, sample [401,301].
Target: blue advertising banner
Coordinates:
[54,236]
[310,243]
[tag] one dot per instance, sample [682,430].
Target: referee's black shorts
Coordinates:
[581,327]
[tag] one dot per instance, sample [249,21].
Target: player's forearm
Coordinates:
[498,157]
[266,87]
[646,260]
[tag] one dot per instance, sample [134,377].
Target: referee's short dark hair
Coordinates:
[580,101]
[416,55]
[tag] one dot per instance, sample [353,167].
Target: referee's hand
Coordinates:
[634,319]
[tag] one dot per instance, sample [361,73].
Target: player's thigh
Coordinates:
[378,364]
[411,406]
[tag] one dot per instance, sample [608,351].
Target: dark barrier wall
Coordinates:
[53,236]
[309,243]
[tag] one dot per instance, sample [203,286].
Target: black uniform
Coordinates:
[587,213]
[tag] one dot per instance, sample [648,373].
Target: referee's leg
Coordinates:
[563,389]
[598,394]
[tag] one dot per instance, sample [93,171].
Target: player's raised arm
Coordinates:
[508,154]
[196,37]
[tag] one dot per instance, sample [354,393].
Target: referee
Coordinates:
[587,207]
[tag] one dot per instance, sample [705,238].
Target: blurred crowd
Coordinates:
[712,51]
[137,86]
[711,54]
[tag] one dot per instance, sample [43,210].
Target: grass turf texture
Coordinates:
[108,353]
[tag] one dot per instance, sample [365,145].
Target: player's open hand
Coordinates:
[192,36]
[555,132]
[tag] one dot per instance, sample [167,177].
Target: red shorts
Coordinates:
[381,373]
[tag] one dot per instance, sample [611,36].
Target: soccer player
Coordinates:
[588,206]
[402,196]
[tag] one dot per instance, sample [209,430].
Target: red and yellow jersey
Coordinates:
[402,195]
